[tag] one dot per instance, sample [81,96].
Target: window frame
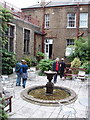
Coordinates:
[67,44]
[85,20]
[69,20]
[47,21]
[26,48]
[10,36]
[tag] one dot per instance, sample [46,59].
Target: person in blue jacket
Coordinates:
[24,73]
[18,70]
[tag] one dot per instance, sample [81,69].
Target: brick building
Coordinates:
[22,33]
[60,23]
[48,27]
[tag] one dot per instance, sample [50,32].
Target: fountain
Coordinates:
[49,94]
[49,85]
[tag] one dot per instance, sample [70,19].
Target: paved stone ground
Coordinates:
[78,109]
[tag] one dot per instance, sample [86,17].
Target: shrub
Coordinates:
[39,56]
[86,65]
[8,61]
[33,61]
[76,63]
[45,65]
[3,114]
[28,60]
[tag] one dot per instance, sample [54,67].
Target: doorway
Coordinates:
[48,48]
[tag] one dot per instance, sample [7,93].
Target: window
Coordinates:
[11,40]
[71,20]
[83,20]
[70,42]
[10,34]
[47,21]
[26,40]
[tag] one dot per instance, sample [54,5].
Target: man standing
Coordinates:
[18,70]
[56,67]
[62,68]
[24,73]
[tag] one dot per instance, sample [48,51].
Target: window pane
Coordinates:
[70,42]
[47,20]
[26,40]
[11,30]
[83,19]
[46,48]
[71,20]
[11,45]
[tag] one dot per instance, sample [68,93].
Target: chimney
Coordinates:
[42,2]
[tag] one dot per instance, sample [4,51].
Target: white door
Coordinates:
[48,48]
[46,51]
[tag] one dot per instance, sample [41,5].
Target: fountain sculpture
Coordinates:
[44,94]
[49,85]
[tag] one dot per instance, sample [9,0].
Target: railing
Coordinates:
[18,13]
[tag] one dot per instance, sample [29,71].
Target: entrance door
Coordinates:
[48,48]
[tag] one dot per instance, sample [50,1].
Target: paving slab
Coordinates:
[23,109]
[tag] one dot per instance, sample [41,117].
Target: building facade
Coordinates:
[21,38]
[60,23]
[48,27]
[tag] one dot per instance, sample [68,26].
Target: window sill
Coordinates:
[47,28]
[71,27]
[27,53]
[83,27]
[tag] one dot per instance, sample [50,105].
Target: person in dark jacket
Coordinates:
[62,68]
[18,70]
[24,73]
[56,67]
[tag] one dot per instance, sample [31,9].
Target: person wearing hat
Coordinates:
[62,68]
[18,70]
[56,68]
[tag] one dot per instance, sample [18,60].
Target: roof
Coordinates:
[56,4]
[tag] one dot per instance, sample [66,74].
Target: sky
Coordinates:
[22,3]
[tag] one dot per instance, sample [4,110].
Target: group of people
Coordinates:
[21,71]
[59,67]
[22,67]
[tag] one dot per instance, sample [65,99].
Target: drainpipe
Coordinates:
[43,30]
[77,21]
[43,23]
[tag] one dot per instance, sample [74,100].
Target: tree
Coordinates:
[5,17]
[6,58]
[81,49]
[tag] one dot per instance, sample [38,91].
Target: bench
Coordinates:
[8,102]
[70,72]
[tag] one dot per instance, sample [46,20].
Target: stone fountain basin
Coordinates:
[29,98]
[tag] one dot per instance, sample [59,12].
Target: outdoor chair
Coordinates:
[8,85]
[32,74]
[81,75]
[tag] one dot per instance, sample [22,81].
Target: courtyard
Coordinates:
[24,109]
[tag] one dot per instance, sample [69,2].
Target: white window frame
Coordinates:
[69,20]
[83,20]
[14,39]
[47,21]
[25,28]
[70,42]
